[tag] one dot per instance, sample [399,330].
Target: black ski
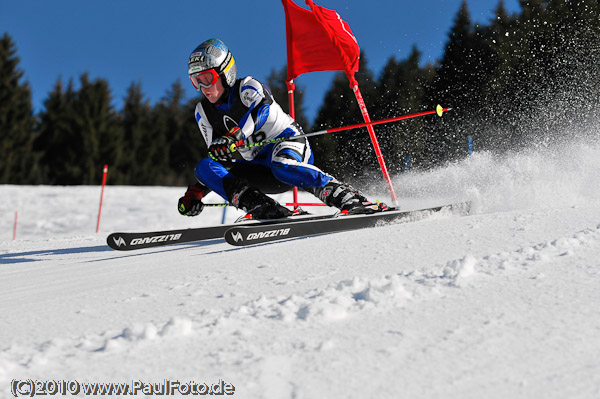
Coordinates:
[261,233]
[129,241]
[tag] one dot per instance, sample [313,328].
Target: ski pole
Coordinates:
[439,110]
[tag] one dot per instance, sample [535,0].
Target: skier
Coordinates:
[235,112]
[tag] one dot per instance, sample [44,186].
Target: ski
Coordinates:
[130,241]
[262,233]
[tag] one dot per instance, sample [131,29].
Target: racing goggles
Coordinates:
[204,79]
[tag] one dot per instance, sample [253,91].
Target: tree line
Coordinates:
[522,79]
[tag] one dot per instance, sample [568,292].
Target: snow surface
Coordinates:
[503,303]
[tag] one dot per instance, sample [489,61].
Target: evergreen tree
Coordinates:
[331,114]
[575,26]
[193,136]
[56,137]
[19,163]
[499,130]
[401,90]
[96,121]
[348,154]
[554,62]
[174,121]
[455,85]
[143,150]
[79,134]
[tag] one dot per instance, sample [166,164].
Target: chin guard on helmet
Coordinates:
[214,55]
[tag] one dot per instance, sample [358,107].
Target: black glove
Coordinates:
[226,148]
[191,203]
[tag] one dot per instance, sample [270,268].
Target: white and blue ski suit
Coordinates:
[250,106]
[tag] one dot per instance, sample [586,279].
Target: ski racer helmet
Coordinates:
[210,60]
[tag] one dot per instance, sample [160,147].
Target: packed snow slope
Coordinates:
[502,303]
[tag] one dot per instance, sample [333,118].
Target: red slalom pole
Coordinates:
[105,171]
[291,86]
[378,153]
[15,226]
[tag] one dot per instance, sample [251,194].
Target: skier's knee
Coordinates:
[206,168]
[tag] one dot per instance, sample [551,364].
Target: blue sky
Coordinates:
[149,41]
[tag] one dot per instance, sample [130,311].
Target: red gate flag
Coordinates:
[319,40]
[308,49]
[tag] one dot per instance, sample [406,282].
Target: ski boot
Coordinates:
[346,198]
[256,204]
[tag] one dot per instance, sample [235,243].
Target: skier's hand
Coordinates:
[226,148]
[191,203]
